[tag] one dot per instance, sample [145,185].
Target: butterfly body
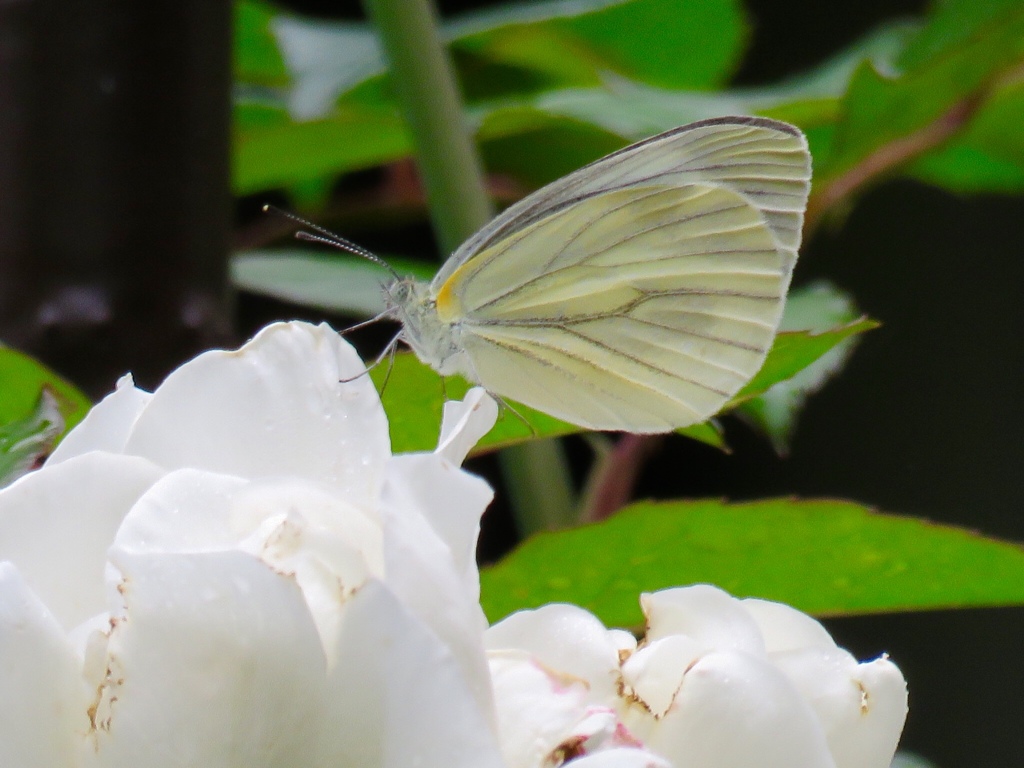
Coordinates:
[639,293]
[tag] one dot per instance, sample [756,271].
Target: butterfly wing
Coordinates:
[765,161]
[642,309]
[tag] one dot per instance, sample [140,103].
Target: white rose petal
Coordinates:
[235,571]
[278,407]
[464,423]
[397,672]
[564,638]
[58,522]
[715,683]
[732,709]
[201,673]
[540,708]
[44,706]
[107,425]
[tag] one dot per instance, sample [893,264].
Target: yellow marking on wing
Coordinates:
[449,307]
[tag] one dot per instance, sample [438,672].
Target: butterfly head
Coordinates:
[435,341]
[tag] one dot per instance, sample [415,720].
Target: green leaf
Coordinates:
[816,308]
[415,395]
[662,42]
[277,154]
[988,156]
[883,107]
[257,58]
[551,44]
[25,443]
[635,110]
[22,380]
[953,24]
[708,432]
[821,556]
[336,283]
[793,351]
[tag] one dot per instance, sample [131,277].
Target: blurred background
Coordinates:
[139,141]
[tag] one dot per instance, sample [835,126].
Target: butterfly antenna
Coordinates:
[327,237]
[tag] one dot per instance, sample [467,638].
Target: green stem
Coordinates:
[421,73]
[422,76]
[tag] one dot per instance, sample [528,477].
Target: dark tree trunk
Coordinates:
[115,203]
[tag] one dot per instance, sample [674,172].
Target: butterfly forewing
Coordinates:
[764,160]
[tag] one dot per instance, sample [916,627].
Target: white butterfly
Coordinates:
[639,293]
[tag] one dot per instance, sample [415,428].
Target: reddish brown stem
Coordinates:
[615,474]
[890,156]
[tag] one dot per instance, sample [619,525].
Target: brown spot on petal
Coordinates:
[568,750]
[865,698]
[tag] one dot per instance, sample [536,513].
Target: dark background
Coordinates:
[924,421]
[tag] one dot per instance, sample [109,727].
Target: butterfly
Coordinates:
[639,293]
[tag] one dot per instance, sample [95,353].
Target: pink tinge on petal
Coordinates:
[566,638]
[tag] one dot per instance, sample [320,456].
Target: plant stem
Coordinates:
[536,474]
[424,82]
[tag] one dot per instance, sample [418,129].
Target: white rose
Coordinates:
[717,682]
[235,571]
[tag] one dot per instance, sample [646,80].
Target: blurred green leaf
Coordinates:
[256,53]
[794,351]
[633,110]
[708,432]
[989,155]
[816,308]
[277,155]
[821,556]
[882,107]
[550,44]
[903,759]
[25,443]
[953,24]
[336,283]
[662,42]
[22,380]
[415,395]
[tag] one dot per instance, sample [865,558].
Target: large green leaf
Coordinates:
[821,556]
